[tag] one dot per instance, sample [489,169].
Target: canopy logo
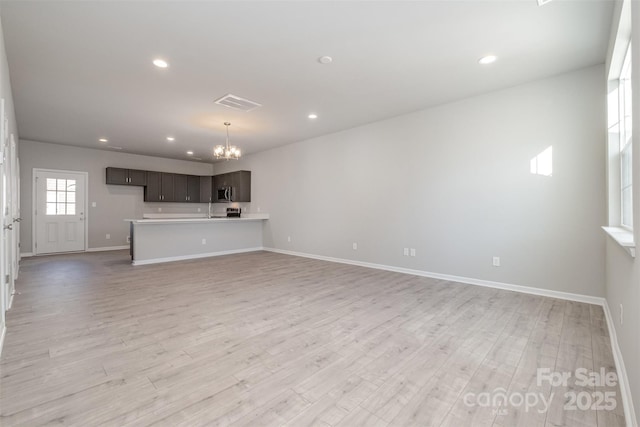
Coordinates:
[589,399]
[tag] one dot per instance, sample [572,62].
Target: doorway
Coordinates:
[59,211]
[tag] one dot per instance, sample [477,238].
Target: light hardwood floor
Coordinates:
[268,339]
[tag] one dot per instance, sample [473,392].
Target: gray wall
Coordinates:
[622,271]
[114,203]
[5,87]
[454,183]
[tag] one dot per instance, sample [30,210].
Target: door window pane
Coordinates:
[61,196]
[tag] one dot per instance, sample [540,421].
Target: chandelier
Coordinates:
[226,151]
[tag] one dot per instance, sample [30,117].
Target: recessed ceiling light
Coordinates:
[160,63]
[489,59]
[115,148]
[543,2]
[103,140]
[190,153]
[325,60]
[170,139]
[313,116]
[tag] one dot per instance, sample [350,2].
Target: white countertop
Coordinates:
[191,220]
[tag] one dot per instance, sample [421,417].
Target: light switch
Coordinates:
[93,204]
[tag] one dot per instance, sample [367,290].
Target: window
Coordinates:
[624,125]
[61,196]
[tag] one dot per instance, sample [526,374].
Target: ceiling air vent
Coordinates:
[237,103]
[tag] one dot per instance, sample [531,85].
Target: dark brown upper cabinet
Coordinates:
[239,182]
[186,188]
[120,176]
[173,187]
[160,187]
[206,189]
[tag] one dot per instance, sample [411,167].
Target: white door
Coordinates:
[4,226]
[59,211]
[7,213]
[15,203]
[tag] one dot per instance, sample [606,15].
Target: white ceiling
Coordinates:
[82,70]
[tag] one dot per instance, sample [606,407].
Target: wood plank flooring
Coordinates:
[264,339]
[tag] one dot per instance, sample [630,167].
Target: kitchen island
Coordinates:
[155,240]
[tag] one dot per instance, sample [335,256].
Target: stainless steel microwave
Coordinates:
[225,194]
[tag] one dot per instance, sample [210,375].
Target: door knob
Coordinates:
[17,219]
[8,227]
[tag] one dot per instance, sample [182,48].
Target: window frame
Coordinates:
[625,142]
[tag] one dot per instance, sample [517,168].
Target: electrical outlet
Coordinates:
[199,209]
[258,208]
[289,239]
[128,239]
[355,246]
[204,241]
[93,204]
[108,236]
[413,251]
[406,251]
[621,314]
[159,209]
[496,261]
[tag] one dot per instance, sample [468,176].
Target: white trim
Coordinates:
[470,281]
[3,333]
[623,237]
[11,301]
[194,256]
[100,249]
[34,206]
[108,248]
[623,380]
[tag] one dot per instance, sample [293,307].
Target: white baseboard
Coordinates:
[194,256]
[108,248]
[623,380]
[3,332]
[104,248]
[460,279]
[11,300]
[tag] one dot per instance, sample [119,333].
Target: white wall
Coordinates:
[622,271]
[454,183]
[114,203]
[5,87]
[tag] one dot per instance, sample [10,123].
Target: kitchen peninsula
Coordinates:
[157,240]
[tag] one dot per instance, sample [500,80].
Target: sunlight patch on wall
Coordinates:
[542,164]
